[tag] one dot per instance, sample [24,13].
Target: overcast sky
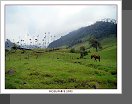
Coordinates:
[52,20]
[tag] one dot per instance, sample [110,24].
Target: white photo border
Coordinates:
[64,91]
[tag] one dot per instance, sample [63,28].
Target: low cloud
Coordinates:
[30,21]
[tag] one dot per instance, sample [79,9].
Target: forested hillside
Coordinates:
[100,29]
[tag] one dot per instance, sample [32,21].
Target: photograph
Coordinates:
[61,47]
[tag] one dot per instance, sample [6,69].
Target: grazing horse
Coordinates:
[95,57]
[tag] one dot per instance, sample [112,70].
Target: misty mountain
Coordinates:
[100,29]
[8,44]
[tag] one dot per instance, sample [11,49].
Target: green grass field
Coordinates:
[62,70]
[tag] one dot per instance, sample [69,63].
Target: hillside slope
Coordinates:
[61,69]
[100,29]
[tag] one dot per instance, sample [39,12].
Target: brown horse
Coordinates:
[95,57]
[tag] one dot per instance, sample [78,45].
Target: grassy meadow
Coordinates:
[60,69]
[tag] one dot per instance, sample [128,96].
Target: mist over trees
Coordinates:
[100,29]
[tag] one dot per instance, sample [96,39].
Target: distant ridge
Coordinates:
[8,44]
[100,29]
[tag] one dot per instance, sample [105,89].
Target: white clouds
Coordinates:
[34,20]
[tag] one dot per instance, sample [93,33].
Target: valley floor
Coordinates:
[61,70]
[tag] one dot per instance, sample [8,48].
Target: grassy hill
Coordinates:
[100,30]
[60,69]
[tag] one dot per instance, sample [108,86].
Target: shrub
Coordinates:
[82,48]
[72,50]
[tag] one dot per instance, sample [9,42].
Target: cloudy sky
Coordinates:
[52,20]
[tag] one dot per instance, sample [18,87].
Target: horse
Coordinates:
[95,57]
